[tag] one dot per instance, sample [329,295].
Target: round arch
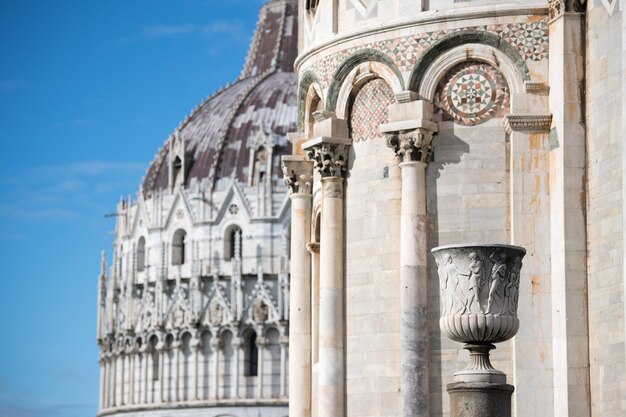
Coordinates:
[307,81]
[367,61]
[463,46]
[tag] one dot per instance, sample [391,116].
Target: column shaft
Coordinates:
[300,309]
[332,328]
[414,291]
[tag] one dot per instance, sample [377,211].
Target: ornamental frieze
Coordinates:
[530,39]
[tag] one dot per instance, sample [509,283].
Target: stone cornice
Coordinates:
[329,155]
[527,123]
[298,173]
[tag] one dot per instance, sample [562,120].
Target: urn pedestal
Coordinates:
[479,288]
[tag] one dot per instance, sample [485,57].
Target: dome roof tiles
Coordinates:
[219,134]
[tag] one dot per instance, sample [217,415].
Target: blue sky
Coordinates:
[89,90]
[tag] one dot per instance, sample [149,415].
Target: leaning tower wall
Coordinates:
[606,134]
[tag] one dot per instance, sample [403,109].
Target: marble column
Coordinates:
[215,347]
[162,349]
[411,140]
[330,157]
[102,364]
[236,344]
[298,173]
[176,382]
[143,392]
[194,345]
[284,348]
[261,344]
[131,375]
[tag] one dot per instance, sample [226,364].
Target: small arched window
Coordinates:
[178,247]
[251,354]
[141,254]
[177,174]
[311,6]
[154,353]
[232,243]
[260,168]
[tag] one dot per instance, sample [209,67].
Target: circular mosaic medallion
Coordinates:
[472,93]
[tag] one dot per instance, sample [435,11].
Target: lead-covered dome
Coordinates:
[220,139]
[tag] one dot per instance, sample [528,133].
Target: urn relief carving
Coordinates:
[479,289]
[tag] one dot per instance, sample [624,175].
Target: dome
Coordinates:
[193,314]
[214,143]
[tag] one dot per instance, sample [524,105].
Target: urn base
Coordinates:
[480,399]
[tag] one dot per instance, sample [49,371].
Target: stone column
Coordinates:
[131,375]
[284,346]
[143,391]
[261,343]
[175,379]
[213,388]
[298,173]
[194,345]
[162,349]
[330,157]
[409,133]
[236,344]
[102,382]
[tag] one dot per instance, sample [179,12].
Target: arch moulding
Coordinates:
[357,69]
[467,46]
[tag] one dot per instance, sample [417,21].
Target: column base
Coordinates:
[480,399]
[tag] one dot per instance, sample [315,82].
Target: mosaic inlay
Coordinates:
[472,93]
[530,39]
[370,110]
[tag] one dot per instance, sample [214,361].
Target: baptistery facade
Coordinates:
[446,122]
[193,312]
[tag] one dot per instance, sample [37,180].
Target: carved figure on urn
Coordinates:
[470,298]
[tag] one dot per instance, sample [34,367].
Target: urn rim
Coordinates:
[474,245]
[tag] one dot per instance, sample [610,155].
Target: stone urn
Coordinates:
[479,289]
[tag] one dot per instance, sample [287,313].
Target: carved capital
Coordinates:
[527,123]
[329,156]
[313,247]
[298,174]
[560,7]
[411,145]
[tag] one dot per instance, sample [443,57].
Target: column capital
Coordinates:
[560,7]
[298,173]
[329,155]
[313,247]
[411,145]
[261,342]
[410,130]
[216,343]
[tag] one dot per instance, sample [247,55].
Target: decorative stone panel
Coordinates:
[472,93]
[369,110]
[530,39]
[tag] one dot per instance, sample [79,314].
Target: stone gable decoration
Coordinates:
[472,93]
